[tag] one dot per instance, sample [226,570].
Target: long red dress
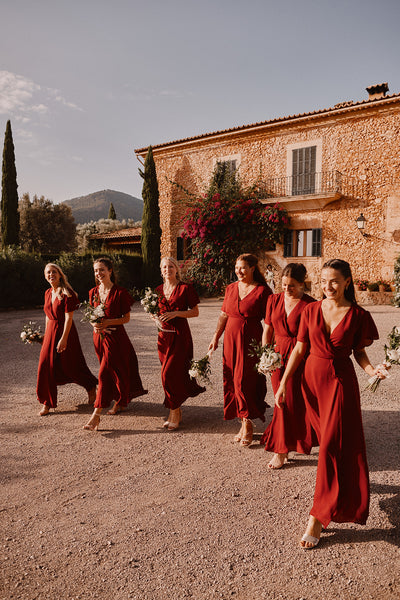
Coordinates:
[244,388]
[175,350]
[290,428]
[119,377]
[68,366]
[332,397]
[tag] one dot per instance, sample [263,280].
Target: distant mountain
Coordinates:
[96,206]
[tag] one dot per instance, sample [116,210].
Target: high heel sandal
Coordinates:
[247,436]
[238,436]
[172,425]
[93,423]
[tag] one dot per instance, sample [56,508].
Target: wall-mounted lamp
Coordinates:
[361,224]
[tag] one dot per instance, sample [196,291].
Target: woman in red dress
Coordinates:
[119,377]
[178,303]
[242,312]
[61,359]
[332,329]
[290,429]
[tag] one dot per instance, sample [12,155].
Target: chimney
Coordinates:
[376,92]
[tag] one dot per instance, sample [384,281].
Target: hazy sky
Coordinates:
[84,82]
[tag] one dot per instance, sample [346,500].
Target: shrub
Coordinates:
[373,286]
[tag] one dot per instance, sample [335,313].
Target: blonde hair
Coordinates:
[175,263]
[64,285]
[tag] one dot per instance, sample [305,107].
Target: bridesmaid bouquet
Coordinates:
[30,333]
[269,360]
[201,369]
[392,357]
[91,313]
[151,305]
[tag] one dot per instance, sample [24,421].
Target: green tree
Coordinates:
[111,212]
[151,230]
[46,227]
[9,195]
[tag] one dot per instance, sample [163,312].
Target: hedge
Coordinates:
[23,282]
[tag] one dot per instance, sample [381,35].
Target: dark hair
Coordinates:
[344,268]
[108,263]
[296,271]
[252,261]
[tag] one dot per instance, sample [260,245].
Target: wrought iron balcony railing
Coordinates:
[325,182]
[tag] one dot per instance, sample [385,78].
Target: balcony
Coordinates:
[310,191]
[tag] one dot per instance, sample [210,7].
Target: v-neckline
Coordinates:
[336,326]
[247,295]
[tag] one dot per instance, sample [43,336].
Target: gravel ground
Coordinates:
[135,512]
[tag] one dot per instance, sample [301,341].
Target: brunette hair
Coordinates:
[296,271]
[344,268]
[64,286]
[107,262]
[252,261]
[175,263]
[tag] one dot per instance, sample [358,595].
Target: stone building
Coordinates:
[326,167]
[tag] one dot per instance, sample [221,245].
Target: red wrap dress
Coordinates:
[290,428]
[175,349]
[68,366]
[119,377]
[244,388]
[332,397]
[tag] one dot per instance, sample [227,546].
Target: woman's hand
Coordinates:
[213,344]
[167,316]
[381,371]
[62,345]
[280,396]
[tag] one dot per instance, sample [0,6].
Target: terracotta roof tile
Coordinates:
[120,234]
[343,106]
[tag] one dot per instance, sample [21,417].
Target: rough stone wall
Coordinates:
[362,144]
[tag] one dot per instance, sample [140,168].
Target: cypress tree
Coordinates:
[111,212]
[151,230]
[9,194]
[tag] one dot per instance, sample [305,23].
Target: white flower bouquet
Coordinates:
[269,360]
[201,369]
[392,357]
[151,305]
[92,314]
[30,333]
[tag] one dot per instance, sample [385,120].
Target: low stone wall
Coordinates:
[368,298]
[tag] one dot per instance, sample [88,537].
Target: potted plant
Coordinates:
[361,284]
[373,287]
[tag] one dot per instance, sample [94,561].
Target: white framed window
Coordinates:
[304,160]
[232,161]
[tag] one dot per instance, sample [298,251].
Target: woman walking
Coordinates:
[290,428]
[243,310]
[61,358]
[119,378]
[332,329]
[178,303]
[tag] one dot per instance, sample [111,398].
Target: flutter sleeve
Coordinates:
[268,311]
[71,303]
[303,334]
[125,300]
[366,331]
[192,296]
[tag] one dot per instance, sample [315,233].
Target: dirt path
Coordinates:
[135,512]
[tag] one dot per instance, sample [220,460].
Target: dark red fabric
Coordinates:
[332,397]
[175,350]
[290,428]
[244,388]
[119,377]
[64,367]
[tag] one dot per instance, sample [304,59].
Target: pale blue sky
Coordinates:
[84,82]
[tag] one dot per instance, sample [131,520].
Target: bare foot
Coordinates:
[45,410]
[93,423]
[277,461]
[313,532]
[92,396]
